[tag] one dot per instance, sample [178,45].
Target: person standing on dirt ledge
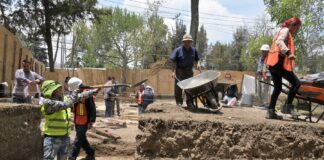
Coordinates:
[263,74]
[57,111]
[183,59]
[25,77]
[281,65]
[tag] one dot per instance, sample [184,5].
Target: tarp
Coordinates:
[248,84]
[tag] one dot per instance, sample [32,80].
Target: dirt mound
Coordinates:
[20,136]
[178,133]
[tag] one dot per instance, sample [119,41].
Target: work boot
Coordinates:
[89,157]
[271,114]
[286,109]
[190,105]
[179,104]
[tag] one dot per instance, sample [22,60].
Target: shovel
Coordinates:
[113,85]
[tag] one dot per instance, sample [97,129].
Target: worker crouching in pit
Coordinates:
[84,117]
[281,65]
[57,111]
[144,96]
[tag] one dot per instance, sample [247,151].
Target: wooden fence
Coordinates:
[12,53]
[162,82]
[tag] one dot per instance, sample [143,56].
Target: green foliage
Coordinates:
[241,37]
[309,40]
[220,57]
[202,40]
[46,18]
[178,33]
[154,45]
[251,53]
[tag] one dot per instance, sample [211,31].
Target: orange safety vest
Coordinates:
[81,114]
[274,52]
[139,97]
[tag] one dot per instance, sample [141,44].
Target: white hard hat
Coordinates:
[74,83]
[186,37]
[265,47]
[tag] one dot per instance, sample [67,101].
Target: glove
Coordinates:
[291,57]
[41,101]
[74,96]
[288,53]
[173,75]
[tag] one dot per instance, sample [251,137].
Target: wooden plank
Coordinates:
[106,134]
[20,58]
[4,58]
[14,60]
[93,135]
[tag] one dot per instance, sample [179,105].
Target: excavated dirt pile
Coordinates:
[20,136]
[173,132]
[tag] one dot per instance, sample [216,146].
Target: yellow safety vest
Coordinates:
[58,123]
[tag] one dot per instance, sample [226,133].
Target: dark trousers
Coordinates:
[117,107]
[181,74]
[81,141]
[277,73]
[109,107]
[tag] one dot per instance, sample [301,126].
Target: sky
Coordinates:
[219,17]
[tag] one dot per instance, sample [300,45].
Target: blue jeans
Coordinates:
[18,99]
[56,146]
[81,141]
[109,106]
[141,108]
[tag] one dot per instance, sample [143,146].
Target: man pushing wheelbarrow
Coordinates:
[184,58]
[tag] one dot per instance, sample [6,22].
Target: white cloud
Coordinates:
[218,21]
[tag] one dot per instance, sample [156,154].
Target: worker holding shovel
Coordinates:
[84,117]
[57,111]
[183,59]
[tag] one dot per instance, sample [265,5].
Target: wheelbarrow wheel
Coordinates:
[211,101]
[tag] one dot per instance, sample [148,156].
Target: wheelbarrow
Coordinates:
[202,87]
[311,91]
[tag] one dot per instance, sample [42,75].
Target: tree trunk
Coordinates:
[194,20]
[48,35]
[124,73]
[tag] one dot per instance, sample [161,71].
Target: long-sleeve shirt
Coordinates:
[282,40]
[52,105]
[22,78]
[109,93]
[262,68]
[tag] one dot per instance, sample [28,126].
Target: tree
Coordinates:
[154,45]
[202,40]
[194,20]
[309,40]
[241,37]
[47,18]
[4,17]
[220,57]
[251,53]
[178,33]
[123,30]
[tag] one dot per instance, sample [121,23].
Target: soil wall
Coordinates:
[175,133]
[20,136]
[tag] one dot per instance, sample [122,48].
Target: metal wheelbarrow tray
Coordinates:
[202,87]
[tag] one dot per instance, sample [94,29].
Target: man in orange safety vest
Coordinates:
[84,117]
